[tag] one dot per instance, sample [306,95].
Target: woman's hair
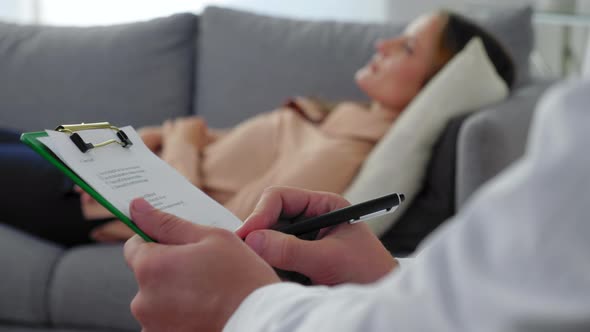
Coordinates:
[460,30]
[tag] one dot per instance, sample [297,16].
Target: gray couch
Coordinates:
[225,65]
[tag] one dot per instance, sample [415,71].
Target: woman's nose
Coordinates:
[385,46]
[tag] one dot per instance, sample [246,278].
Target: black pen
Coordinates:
[351,214]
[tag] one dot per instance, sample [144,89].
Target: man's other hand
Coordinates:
[194,278]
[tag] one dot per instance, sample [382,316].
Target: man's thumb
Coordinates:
[285,251]
[163,227]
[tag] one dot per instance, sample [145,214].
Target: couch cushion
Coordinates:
[251,63]
[24,285]
[138,73]
[93,288]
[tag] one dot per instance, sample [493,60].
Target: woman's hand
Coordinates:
[183,140]
[151,137]
[191,130]
[112,231]
[343,254]
[91,209]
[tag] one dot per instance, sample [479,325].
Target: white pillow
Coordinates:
[398,163]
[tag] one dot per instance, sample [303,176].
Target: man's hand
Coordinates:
[194,278]
[343,254]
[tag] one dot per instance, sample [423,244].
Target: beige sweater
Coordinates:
[285,148]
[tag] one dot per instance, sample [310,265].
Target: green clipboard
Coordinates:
[32,140]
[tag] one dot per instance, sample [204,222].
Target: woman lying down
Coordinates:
[304,144]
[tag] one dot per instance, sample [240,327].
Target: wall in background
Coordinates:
[9,10]
[100,12]
[349,10]
[18,11]
[96,12]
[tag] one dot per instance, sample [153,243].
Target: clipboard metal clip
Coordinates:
[123,139]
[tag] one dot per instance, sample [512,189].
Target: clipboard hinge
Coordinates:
[72,129]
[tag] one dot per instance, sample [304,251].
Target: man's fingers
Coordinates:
[287,252]
[163,227]
[265,214]
[131,248]
[287,202]
[148,260]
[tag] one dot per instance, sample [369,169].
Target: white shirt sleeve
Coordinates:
[515,259]
[404,263]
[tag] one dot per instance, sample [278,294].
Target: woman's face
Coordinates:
[400,66]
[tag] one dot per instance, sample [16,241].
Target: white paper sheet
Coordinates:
[122,174]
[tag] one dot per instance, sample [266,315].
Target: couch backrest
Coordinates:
[250,63]
[139,74]
[143,73]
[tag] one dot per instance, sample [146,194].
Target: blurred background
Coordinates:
[561,26]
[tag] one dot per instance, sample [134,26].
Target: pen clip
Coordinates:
[373,215]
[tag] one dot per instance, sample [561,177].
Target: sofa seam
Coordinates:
[49,287]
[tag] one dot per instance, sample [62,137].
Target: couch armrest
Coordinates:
[493,138]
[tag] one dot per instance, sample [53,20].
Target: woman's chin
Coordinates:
[362,78]
[362,74]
